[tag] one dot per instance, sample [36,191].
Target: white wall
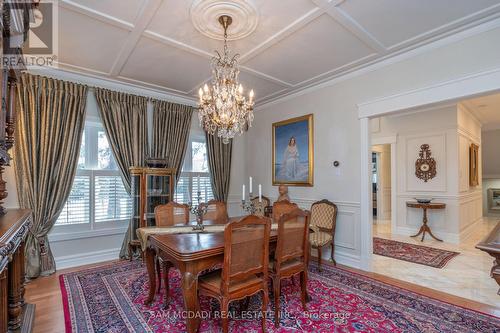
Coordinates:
[337,129]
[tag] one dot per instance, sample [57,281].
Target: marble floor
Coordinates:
[467,275]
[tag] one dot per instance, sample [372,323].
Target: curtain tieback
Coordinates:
[43,245]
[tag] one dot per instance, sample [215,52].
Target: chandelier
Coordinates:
[223,109]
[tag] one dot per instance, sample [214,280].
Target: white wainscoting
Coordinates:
[470,212]
[347,232]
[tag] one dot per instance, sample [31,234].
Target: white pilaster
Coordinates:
[366,244]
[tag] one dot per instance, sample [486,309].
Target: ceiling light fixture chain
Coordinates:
[223,109]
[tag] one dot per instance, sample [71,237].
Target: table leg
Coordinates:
[419,232]
[432,235]
[150,263]
[15,290]
[189,284]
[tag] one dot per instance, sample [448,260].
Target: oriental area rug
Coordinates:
[110,298]
[417,254]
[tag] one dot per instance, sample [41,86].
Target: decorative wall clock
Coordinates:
[425,165]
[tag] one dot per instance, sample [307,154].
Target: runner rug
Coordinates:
[110,298]
[418,254]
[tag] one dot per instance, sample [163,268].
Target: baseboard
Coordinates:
[86,258]
[342,258]
[445,236]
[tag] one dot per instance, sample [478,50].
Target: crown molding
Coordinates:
[94,80]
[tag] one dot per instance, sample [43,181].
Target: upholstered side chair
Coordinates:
[216,211]
[281,208]
[245,269]
[323,221]
[261,206]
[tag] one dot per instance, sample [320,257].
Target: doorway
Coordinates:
[429,98]
[381,184]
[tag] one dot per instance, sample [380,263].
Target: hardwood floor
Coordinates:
[49,315]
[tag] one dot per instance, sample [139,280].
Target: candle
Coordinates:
[250,181]
[260,193]
[243,193]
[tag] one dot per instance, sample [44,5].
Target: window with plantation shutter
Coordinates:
[187,187]
[111,201]
[195,175]
[97,196]
[77,207]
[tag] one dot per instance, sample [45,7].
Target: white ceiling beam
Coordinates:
[146,14]
[77,8]
[283,33]
[332,9]
[180,45]
[265,76]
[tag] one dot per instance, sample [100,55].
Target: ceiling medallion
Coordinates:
[223,109]
[205,13]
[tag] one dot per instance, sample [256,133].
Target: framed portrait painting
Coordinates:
[293,151]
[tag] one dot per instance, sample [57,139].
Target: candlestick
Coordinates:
[199,210]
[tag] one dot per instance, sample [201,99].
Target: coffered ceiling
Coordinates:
[295,44]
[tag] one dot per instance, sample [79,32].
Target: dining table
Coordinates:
[191,253]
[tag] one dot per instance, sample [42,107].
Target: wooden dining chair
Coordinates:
[168,215]
[245,269]
[216,211]
[290,256]
[282,207]
[171,213]
[261,206]
[323,222]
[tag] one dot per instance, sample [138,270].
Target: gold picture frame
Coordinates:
[473,165]
[293,139]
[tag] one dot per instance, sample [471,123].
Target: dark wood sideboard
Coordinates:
[15,314]
[491,245]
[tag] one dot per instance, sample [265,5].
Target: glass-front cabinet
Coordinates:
[150,187]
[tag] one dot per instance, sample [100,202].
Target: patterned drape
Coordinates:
[51,119]
[124,118]
[219,164]
[171,125]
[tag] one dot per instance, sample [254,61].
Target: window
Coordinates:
[195,175]
[97,196]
